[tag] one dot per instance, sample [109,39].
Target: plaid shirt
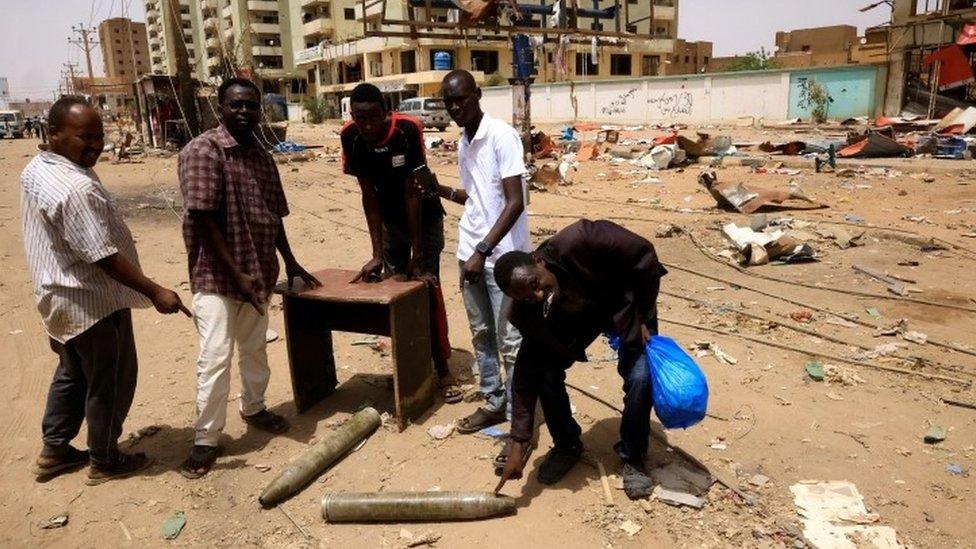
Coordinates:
[242,185]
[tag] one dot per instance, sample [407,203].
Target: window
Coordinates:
[632,29]
[650,65]
[804,48]
[620,65]
[705,60]
[687,59]
[349,14]
[118,52]
[116,31]
[584,66]
[138,62]
[485,61]
[121,72]
[117,41]
[408,62]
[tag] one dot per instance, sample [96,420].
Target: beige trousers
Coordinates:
[221,322]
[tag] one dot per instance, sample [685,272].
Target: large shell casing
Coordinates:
[305,467]
[414,506]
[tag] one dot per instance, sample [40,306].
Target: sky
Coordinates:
[34,33]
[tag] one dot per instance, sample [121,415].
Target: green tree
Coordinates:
[315,109]
[753,61]
[814,96]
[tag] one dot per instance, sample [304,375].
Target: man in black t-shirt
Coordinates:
[383,150]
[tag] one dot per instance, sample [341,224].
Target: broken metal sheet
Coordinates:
[874,146]
[742,237]
[677,498]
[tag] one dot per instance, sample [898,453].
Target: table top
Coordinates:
[336,288]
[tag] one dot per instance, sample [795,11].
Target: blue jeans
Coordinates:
[635,425]
[495,341]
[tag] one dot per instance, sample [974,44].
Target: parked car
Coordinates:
[12,124]
[429,110]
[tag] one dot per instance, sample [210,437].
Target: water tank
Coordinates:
[443,61]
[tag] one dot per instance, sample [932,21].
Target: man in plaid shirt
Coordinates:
[232,228]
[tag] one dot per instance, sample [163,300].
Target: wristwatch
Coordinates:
[483,249]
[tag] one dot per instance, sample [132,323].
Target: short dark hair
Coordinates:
[58,112]
[367,93]
[506,265]
[243,82]
[461,76]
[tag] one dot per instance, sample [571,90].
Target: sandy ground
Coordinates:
[770,416]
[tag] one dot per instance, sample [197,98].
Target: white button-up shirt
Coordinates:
[495,153]
[69,221]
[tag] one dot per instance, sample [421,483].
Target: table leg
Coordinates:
[309,338]
[414,385]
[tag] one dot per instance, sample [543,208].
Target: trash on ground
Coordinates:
[57,521]
[747,200]
[440,432]
[955,469]
[174,525]
[833,515]
[935,434]
[630,528]
[677,498]
[915,337]
[815,370]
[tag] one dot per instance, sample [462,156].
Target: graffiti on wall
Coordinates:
[672,104]
[619,105]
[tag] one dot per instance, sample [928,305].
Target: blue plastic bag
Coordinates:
[680,387]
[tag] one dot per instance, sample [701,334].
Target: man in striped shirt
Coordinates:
[86,277]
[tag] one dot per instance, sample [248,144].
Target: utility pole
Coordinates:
[68,73]
[86,44]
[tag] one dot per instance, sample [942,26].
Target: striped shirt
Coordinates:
[69,221]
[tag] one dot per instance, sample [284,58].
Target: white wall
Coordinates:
[690,99]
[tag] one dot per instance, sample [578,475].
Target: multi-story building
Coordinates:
[338,55]
[162,37]
[918,29]
[125,52]
[689,57]
[815,47]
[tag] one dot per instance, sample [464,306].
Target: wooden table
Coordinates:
[388,308]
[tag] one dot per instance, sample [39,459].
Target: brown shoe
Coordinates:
[126,465]
[54,461]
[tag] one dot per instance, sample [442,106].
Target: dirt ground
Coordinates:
[766,416]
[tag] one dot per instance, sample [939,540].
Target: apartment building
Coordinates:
[162,37]
[125,52]
[689,57]
[816,47]
[338,55]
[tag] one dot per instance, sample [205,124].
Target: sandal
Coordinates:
[267,421]
[451,391]
[502,458]
[48,466]
[480,419]
[126,465]
[200,462]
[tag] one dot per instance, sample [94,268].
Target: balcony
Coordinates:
[229,33]
[154,42]
[373,8]
[210,23]
[227,11]
[314,3]
[665,13]
[262,5]
[308,55]
[214,61]
[320,27]
[213,44]
[152,15]
[259,51]
[266,28]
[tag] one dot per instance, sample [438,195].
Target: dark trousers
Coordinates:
[635,425]
[396,256]
[95,380]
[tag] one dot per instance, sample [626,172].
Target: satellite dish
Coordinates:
[863,40]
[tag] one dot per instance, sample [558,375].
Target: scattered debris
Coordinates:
[270,336]
[428,538]
[894,285]
[174,525]
[915,337]
[815,370]
[895,329]
[677,499]
[630,528]
[802,316]
[440,432]
[704,347]
[263,467]
[57,521]
[667,230]
[955,469]
[759,480]
[834,515]
[746,200]
[935,435]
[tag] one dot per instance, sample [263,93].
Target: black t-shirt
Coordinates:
[388,164]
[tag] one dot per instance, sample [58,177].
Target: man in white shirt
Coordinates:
[87,278]
[491,166]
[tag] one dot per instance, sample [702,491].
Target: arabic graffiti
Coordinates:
[670,105]
[618,105]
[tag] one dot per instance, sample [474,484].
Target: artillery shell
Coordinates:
[306,466]
[419,506]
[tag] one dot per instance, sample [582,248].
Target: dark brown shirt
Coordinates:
[242,185]
[609,278]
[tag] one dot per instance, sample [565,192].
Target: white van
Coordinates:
[12,124]
[429,110]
